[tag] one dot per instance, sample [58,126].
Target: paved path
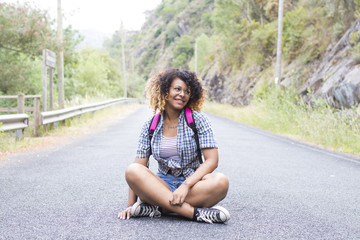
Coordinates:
[279,189]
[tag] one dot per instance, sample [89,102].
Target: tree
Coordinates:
[24,29]
[98,74]
[24,32]
[183,52]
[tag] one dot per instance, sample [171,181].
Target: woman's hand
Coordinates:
[179,195]
[126,214]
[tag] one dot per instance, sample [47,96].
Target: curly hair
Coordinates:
[158,88]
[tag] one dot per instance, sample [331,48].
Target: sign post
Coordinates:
[49,60]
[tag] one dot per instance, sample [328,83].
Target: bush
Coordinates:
[168,13]
[158,32]
[171,32]
[204,44]
[183,51]
[262,47]
[294,26]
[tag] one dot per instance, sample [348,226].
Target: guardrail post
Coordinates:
[21,109]
[21,103]
[37,116]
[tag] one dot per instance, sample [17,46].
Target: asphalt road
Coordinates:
[279,189]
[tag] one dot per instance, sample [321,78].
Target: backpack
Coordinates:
[190,122]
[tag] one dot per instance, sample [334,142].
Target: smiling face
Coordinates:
[179,95]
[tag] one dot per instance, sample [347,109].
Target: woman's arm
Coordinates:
[209,165]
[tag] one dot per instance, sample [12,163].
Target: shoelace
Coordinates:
[149,210]
[208,216]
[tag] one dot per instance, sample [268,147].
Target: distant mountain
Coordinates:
[93,38]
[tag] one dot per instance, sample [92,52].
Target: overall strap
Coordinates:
[153,125]
[191,123]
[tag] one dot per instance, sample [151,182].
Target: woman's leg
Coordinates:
[153,190]
[210,190]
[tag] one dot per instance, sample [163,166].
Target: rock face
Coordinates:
[337,78]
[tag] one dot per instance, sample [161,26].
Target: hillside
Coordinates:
[236,44]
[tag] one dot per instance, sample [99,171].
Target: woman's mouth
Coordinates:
[179,101]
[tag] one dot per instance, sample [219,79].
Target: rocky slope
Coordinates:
[335,76]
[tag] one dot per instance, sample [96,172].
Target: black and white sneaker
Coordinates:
[142,209]
[212,215]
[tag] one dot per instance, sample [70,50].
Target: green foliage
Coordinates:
[262,48]
[354,38]
[24,29]
[171,32]
[24,32]
[235,30]
[305,34]
[169,8]
[158,32]
[283,112]
[204,44]
[355,53]
[98,75]
[294,26]
[183,52]
[168,13]
[1,130]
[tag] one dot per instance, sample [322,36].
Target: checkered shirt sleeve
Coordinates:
[206,135]
[143,149]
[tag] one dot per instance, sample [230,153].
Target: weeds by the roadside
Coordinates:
[283,112]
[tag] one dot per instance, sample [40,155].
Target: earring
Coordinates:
[167,96]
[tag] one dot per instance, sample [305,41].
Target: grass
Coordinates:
[282,112]
[87,123]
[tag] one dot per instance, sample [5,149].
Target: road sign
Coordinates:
[50,58]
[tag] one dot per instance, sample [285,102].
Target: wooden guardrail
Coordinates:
[21,108]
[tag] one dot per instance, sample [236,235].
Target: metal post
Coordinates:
[123,59]
[60,56]
[44,87]
[51,100]
[37,117]
[195,56]
[279,43]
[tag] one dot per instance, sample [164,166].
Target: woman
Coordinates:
[182,185]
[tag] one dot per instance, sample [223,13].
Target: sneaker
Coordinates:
[142,209]
[212,215]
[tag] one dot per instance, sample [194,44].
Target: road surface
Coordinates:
[279,189]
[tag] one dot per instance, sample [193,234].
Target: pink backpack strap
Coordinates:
[189,117]
[154,123]
[190,122]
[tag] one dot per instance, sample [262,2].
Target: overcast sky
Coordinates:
[101,15]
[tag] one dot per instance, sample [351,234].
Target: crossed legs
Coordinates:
[210,190]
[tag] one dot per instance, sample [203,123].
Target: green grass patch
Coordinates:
[283,112]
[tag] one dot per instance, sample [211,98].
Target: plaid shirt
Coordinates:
[186,144]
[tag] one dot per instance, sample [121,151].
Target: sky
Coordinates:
[100,15]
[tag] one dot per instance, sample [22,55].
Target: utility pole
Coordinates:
[123,59]
[279,42]
[60,56]
[195,56]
